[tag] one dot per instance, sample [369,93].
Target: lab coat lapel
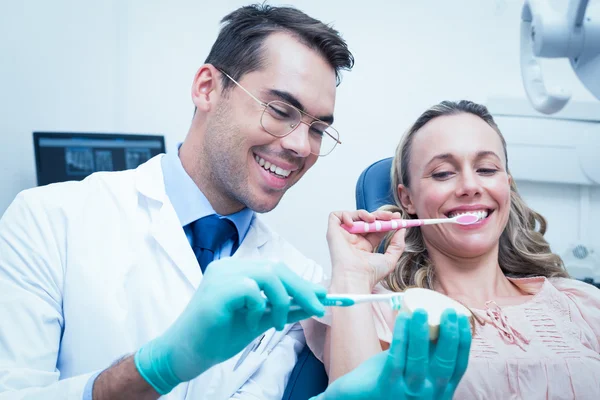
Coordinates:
[169,235]
[165,227]
[255,239]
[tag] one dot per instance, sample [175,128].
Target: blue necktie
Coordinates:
[209,234]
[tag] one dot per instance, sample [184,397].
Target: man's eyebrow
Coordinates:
[290,98]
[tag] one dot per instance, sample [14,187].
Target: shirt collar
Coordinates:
[189,202]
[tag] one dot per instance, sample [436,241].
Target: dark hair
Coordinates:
[238,48]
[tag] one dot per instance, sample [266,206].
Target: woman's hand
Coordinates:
[353,262]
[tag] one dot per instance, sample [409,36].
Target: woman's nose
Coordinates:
[469,184]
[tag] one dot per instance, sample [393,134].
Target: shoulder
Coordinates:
[578,291]
[276,246]
[583,302]
[71,197]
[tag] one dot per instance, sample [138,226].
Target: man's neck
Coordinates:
[223,205]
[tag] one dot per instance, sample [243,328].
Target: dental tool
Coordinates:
[434,303]
[395,224]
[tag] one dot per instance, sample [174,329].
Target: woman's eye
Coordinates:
[487,171]
[441,175]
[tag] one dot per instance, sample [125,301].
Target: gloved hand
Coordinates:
[412,368]
[225,314]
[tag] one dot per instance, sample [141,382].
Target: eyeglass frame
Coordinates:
[265,105]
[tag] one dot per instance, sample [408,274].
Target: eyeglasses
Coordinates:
[280,119]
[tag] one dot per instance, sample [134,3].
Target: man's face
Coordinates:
[238,154]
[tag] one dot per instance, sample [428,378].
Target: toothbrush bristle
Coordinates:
[396,302]
[467,219]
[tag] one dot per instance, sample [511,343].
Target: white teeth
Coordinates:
[272,167]
[481,214]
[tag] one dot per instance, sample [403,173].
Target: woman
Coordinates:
[537,332]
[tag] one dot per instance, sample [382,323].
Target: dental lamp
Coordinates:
[549,34]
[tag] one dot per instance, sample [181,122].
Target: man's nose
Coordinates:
[298,141]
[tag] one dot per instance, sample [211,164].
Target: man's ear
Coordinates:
[405,199]
[205,87]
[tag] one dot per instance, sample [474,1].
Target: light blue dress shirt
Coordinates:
[190,204]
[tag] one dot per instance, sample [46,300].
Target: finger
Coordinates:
[271,285]
[393,369]
[347,219]
[383,215]
[256,305]
[396,246]
[298,315]
[366,216]
[443,360]
[464,347]
[304,293]
[417,353]
[239,292]
[320,290]
[266,321]
[245,295]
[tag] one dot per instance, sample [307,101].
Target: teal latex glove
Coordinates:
[413,368]
[225,314]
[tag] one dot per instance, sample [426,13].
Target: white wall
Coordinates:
[58,71]
[127,66]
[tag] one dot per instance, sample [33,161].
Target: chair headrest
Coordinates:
[373,188]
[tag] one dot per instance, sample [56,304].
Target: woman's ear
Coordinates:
[204,93]
[405,199]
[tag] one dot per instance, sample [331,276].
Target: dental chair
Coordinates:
[373,190]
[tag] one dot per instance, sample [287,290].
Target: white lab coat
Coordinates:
[91,270]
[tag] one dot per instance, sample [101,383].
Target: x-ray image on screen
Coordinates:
[73,156]
[79,161]
[135,157]
[104,160]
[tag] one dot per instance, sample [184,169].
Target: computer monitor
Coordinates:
[63,157]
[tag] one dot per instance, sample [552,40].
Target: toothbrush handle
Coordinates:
[383,226]
[345,300]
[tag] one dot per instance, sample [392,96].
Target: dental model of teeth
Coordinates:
[434,304]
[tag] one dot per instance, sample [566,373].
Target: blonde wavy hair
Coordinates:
[524,252]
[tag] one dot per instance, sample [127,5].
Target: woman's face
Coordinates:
[457,165]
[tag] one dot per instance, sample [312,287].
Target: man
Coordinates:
[107,268]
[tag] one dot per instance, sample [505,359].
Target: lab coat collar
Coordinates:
[149,179]
[166,228]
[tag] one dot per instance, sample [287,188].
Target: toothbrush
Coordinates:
[434,303]
[347,300]
[394,224]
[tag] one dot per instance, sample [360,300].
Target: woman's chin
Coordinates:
[473,248]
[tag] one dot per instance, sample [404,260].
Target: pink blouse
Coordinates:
[545,348]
